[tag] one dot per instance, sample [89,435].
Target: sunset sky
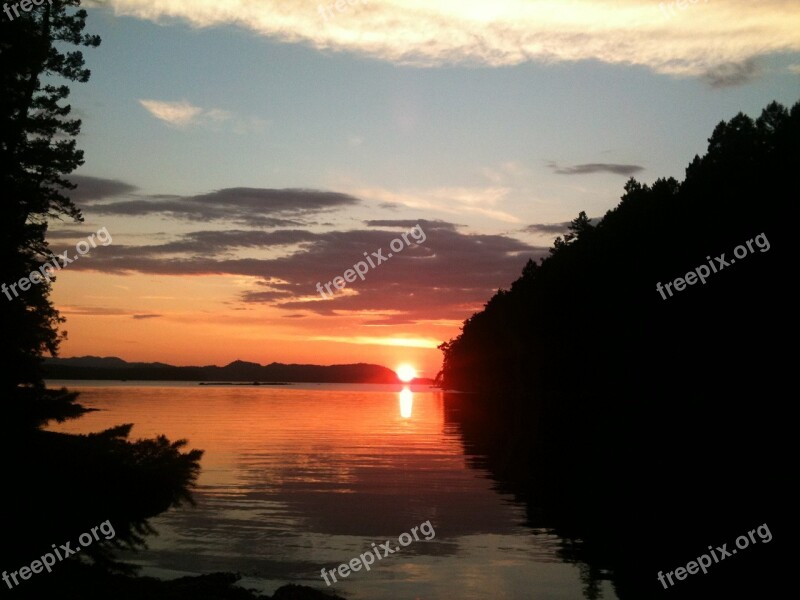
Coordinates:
[240,151]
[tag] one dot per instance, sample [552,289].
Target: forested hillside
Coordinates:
[572,320]
[640,372]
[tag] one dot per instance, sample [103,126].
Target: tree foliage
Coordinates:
[597,287]
[38,150]
[639,411]
[98,477]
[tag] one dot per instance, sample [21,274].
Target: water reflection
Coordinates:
[406,402]
[303,477]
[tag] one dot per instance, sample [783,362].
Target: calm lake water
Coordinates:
[300,477]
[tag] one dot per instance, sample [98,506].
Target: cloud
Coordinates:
[67,234]
[409,223]
[548,228]
[381,341]
[555,228]
[215,242]
[509,32]
[450,274]
[732,74]
[455,200]
[98,311]
[102,311]
[508,171]
[182,114]
[97,188]
[218,244]
[216,114]
[177,114]
[389,321]
[259,207]
[588,168]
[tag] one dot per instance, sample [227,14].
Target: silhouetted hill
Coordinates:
[112,368]
[98,362]
[643,407]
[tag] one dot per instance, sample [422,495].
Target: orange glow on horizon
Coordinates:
[155,319]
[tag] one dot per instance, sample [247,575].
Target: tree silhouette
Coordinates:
[37,151]
[96,477]
[622,389]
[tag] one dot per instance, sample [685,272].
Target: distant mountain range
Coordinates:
[113,368]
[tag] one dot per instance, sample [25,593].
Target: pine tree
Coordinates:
[37,151]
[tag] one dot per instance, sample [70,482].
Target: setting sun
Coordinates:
[406,372]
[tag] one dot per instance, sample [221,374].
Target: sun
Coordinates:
[406,372]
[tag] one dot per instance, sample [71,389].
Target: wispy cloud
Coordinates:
[252,206]
[548,228]
[96,188]
[382,341]
[732,74]
[182,114]
[453,200]
[507,172]
[555,228]
[98,311]
[588,168]
[509,32]
[177,114]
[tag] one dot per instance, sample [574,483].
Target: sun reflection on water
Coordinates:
[406,402]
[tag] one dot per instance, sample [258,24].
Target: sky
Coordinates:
[239,152]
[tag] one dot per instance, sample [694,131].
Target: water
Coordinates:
[297,478]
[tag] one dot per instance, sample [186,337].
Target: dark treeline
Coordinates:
[651,428]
